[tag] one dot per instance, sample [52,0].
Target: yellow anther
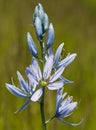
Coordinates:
[43,83]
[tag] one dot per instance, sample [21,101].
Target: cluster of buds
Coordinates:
[42,26]
[40,21]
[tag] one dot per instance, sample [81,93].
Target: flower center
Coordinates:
[43,83]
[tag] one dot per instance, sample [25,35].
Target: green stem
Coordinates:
[42,98]
[42,111]
[42,50]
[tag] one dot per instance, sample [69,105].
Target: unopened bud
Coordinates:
[31,45]
[50,38]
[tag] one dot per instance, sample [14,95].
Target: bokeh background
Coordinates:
[75,25]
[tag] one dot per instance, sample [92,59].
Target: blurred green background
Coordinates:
[75,24]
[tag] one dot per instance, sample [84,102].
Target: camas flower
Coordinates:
[58,63]
[27,91]
[48,78]
[64,107]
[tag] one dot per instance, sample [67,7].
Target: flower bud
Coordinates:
[38,12]
[31,45]
[38,27]
[45,22]
[50,38]
[41,12]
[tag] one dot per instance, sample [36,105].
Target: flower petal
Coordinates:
[67,109]
[55,86]
[31,77]
[66,80]
[56,75]
[32,87]
[16,91]
[70,124]
[65,62]
[59,98]
[58,52]
[23,106]
[23,84]
[50,52]
[48,67]
[35,97]
[36,69]
[66,101]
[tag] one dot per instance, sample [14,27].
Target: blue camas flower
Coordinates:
[64,62]
[58,62]
[50,73]
[48,78]
[64,107]
[27,91]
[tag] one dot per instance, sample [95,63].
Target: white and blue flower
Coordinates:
[58,63]
[27,91]
[65,107]
[48,78]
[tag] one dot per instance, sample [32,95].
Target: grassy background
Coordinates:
[75,24]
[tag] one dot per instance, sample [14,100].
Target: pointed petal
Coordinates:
[31,45]
[70,124]
[30,74]
[50,38]
[50,52]
[48,67]
[32,87]
[58,52]
[59,98]
[23,84]
[36,69]
[66,101]
[55,86]
[23,106]
[66,80]
[65,62]
[16,91]
[67,109]
[31,77]
[56,75]
[35,97]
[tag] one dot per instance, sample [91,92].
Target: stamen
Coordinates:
[43,83]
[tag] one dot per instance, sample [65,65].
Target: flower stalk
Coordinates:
[43,95]
[48,75]
[42,110]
